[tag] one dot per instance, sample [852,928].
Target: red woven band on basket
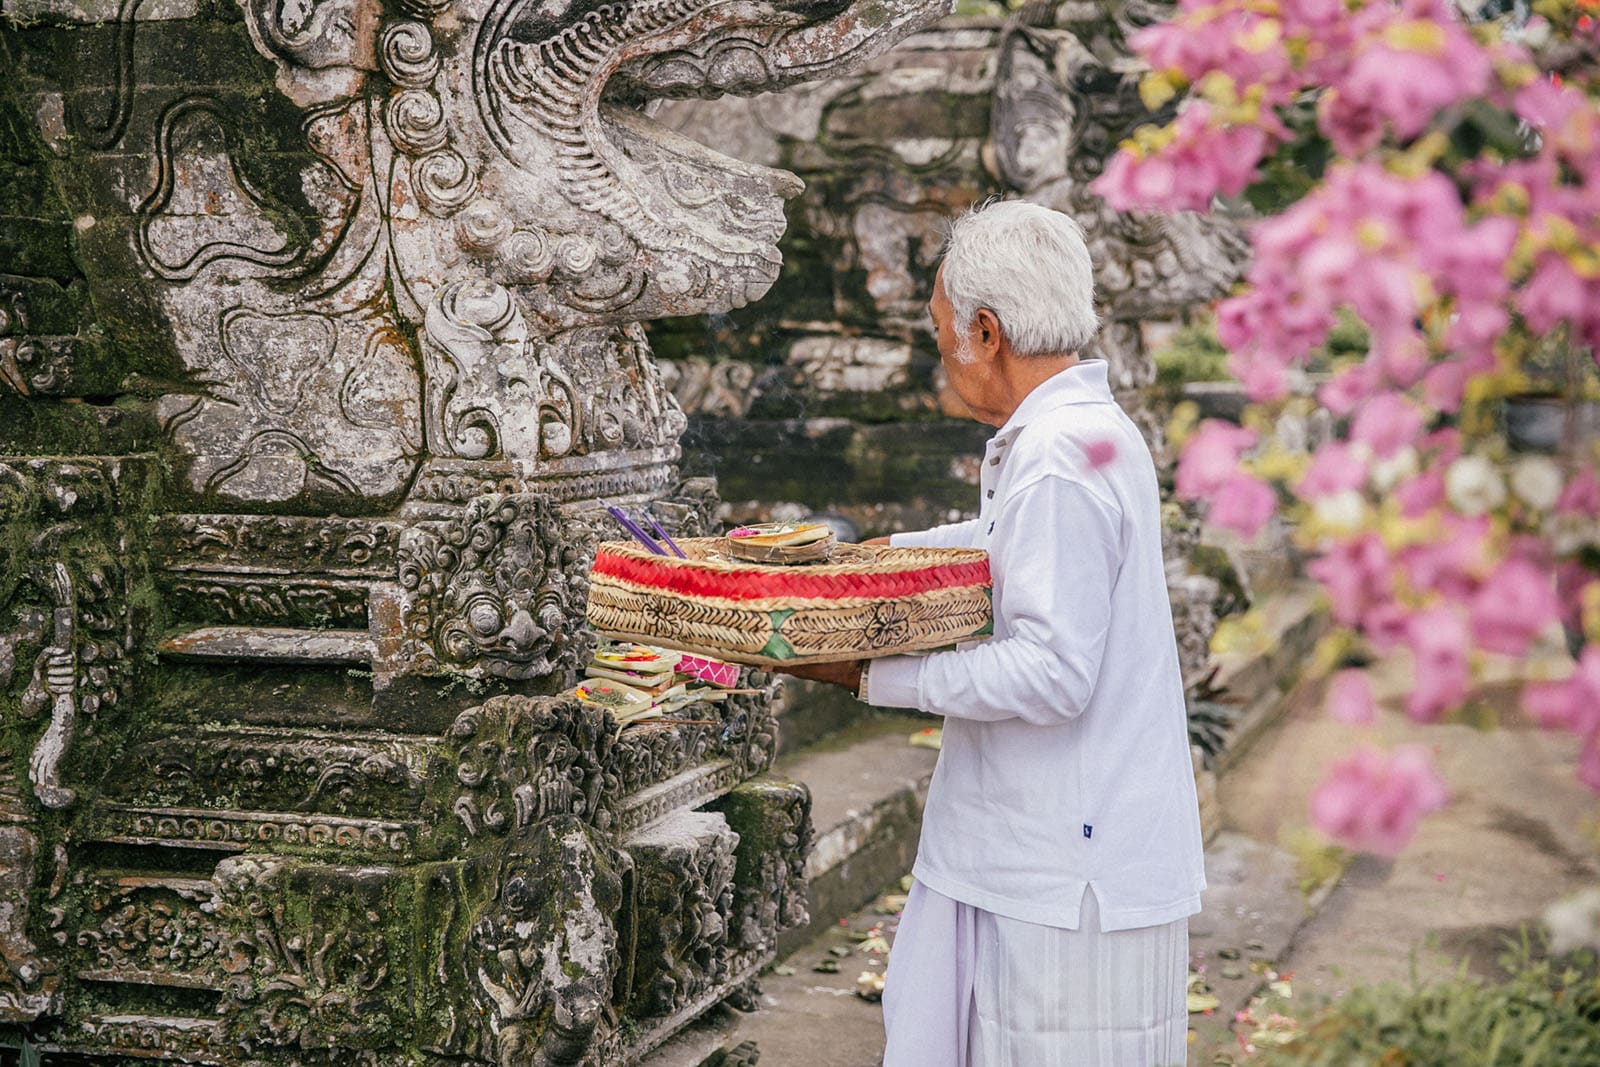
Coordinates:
[765,583]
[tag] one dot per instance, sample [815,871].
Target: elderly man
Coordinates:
[1060,855]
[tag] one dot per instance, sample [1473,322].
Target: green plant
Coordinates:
[1192,354]
[1546,1014]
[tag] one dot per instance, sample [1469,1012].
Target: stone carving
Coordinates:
[235,829]
[370,298]
[308,953]
[1066,94]
[773,821]
[30,363]
[28,983]
[522,760]
[543,951]
[69,604]
[703,387]
[684,875]
[275,770]
[495,592]
[140,927]
[279,544]
[437,143]
[310,604]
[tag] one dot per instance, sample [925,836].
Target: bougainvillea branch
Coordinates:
[1437,179]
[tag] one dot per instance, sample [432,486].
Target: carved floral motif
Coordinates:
[684,884]
[521,760]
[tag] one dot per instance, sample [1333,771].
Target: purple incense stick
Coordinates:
[629,525]
[659,532]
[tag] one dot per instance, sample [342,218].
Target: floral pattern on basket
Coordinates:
[867,601]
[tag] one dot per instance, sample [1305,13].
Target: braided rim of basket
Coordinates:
[897,572]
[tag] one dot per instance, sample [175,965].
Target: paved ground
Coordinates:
[1519,833]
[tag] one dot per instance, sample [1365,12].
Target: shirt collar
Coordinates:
[1081,383]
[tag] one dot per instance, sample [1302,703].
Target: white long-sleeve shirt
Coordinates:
[1065,760]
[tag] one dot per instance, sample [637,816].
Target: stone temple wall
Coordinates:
[321,342]
[827,396]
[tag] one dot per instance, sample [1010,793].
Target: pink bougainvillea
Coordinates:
[1374,800]
[1445,194]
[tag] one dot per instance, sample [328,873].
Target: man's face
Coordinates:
[957,352]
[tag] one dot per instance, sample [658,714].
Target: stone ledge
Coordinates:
[868,786]
[1260,682]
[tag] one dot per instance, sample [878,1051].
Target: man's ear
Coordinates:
[988,328]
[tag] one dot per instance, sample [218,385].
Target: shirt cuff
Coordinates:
[895,682]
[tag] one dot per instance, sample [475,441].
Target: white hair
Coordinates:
[1027,264]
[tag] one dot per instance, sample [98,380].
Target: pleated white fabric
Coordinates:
[968,988]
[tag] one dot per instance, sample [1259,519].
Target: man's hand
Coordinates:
[846,673]
[876,541]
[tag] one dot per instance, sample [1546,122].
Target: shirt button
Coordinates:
[995,462]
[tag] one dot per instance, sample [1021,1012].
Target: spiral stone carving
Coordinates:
[529,255]
[407,54]
[444,181]
[415,121]
[576,254]
[482,225]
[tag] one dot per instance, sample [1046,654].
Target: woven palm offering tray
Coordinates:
[779,542]
[865,601]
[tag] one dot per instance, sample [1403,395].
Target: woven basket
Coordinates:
[867,601]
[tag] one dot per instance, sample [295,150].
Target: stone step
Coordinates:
[810,712]
[277,645]
[1258,679]
[868,785]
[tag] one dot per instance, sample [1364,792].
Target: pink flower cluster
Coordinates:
[1385,247]
[1202,159]
[1428,537]
[1209,469]
[1380,68]
[1373,801]
[1561,185]
[1573,704]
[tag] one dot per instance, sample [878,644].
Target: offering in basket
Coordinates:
[864,601]
[779,542]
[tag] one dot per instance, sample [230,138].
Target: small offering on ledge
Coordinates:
[638,682]
[865,601]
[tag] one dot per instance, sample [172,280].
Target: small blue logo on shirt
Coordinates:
[1088,831]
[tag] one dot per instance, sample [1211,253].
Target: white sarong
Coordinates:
[968,988]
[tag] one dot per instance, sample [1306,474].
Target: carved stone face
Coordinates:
[487,593]
[511,614]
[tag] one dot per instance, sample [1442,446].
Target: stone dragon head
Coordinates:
[505,145]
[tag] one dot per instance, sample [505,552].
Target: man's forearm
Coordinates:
[950,535]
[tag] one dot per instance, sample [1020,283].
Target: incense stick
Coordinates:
[633,528]
[659,532]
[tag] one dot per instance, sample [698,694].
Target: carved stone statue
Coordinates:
[320,339]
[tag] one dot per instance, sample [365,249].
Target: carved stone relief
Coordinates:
[28,982]
[309,954]
[518,761]
[63,606]
[375,292]
[543,950]
[496,592]
[1066,94]
[684,876]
